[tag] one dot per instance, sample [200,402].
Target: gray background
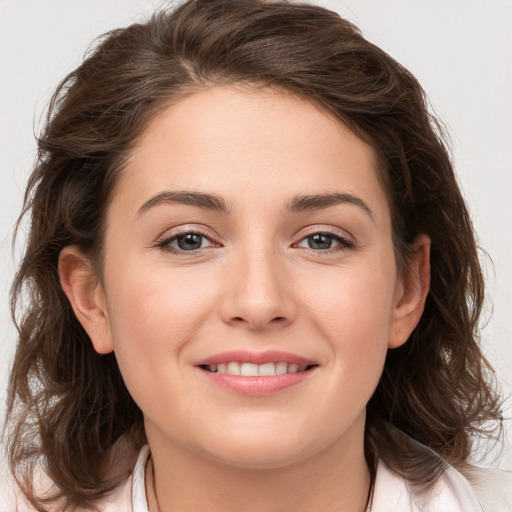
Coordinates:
[460,50]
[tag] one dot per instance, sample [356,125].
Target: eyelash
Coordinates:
[344,242]
[165,244]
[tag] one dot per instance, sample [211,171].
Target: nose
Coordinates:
[258,293]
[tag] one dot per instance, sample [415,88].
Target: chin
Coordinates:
[260,458]
[262,451]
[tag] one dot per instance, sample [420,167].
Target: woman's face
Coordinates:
[250,233]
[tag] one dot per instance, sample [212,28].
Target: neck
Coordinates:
[336,479]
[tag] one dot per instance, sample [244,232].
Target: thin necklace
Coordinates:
[153,487]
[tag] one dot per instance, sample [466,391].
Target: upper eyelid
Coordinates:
[164,243]
[331,231]
[181,230]
[344,242]
[173,233]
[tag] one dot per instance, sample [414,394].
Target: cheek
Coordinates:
[152,303]
[152,317]
[353,306]
[354,314]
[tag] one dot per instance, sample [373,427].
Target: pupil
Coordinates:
[320,241]
[189,242]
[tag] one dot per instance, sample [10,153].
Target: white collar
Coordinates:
[451,493]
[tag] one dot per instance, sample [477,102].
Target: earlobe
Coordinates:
[412,293]
[85,293]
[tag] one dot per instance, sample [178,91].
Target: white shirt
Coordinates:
[391,493]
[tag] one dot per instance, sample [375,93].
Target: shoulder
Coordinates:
[492,487]
[12,500]
[128,496]
[470,490]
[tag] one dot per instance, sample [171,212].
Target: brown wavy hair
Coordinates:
[69,409]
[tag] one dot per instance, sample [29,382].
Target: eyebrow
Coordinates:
[199,199]
[320,201]
[213,202]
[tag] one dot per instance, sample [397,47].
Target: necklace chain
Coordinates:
[153,486]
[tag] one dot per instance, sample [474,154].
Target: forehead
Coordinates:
[226,140]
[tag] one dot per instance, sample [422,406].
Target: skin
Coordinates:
[256,284]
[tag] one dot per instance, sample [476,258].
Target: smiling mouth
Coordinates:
[256,370]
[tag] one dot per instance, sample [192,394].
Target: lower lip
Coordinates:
[256,386]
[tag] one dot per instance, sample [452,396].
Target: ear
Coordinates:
[85,292]
[411,293]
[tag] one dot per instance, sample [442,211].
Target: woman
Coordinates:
[253,279]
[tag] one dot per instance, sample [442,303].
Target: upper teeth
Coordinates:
[254,370]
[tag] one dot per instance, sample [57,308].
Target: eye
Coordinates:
[189,241]
[324,241]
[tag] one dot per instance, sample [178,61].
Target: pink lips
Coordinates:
[244,356]
[255,385]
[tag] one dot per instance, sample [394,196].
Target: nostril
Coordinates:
[273,321]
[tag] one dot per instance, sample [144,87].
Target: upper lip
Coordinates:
[245,356]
